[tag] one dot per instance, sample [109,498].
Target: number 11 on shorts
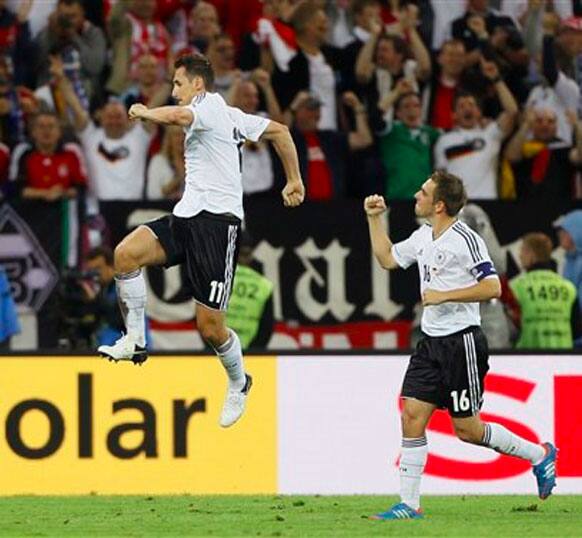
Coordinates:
[216,291]
[461,403]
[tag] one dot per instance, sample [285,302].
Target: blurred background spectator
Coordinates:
[78,44]
[47,169]
[548,316]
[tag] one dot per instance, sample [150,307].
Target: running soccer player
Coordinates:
[448,367]
[204,230]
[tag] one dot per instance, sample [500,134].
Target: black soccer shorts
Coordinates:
[207,244]
[449,371]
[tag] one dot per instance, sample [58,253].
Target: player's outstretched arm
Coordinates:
[375,206]
[484,290]
[294,191]
[164,115]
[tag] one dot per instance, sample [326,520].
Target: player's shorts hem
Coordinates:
[223,310]
[422,398]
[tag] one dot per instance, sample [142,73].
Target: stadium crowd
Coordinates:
[376,93]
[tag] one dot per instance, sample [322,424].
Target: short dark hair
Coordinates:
[404,96]
[461,94]
[101,252]
[197,65]
[399,44]
[450,190]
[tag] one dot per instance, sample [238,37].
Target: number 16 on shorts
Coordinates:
[216,291]
[460,401]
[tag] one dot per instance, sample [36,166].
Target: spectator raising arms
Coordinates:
[471,151]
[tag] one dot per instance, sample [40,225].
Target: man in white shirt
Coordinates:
[471,150]
[448,367]
[204,230]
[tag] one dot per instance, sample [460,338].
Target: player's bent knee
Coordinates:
[213,331]
[125,259]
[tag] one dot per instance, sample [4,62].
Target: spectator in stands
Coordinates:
[549,317]
[250,310]
[341,22]
[324,154]
[116,152]
[174,14]
[406,146]
[133,31]
[366,17]
[541,163]
[80,45]
[312,67]
[148,85]
[221,54]
[472,151]
[49,170]
[103,298]
[17,103]
[441,90]
[166,172]
[476,26]
[272,39]
[570,237]
[559,92]
[203,26]
[383,60]
[257,163]
[16,41]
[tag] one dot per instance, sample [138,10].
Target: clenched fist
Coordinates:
[374,205]
[137,111]
[293,193]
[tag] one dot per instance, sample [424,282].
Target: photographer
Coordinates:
[103,297]
[80,45]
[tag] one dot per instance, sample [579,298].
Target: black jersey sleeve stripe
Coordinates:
[473,256]
[472,236]
[474,246]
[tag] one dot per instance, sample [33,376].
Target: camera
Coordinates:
[78,307]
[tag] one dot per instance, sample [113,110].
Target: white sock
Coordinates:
[412,462]
[230,355]
[502,440]
[131,293]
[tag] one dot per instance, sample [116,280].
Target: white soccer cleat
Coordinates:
[234,403]
[125,349]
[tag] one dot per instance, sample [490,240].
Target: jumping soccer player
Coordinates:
[204,230]
[448,367]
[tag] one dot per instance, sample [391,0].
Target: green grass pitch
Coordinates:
[338,516]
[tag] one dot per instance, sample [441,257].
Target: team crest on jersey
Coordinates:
[440,257]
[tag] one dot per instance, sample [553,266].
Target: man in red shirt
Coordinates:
[442,88]
[49,170]
[323,153]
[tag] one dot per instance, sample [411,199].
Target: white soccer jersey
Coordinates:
[458,258]
[472,154]
[212,145]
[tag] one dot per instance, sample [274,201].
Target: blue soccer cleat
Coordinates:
[545,471]
[399,511]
